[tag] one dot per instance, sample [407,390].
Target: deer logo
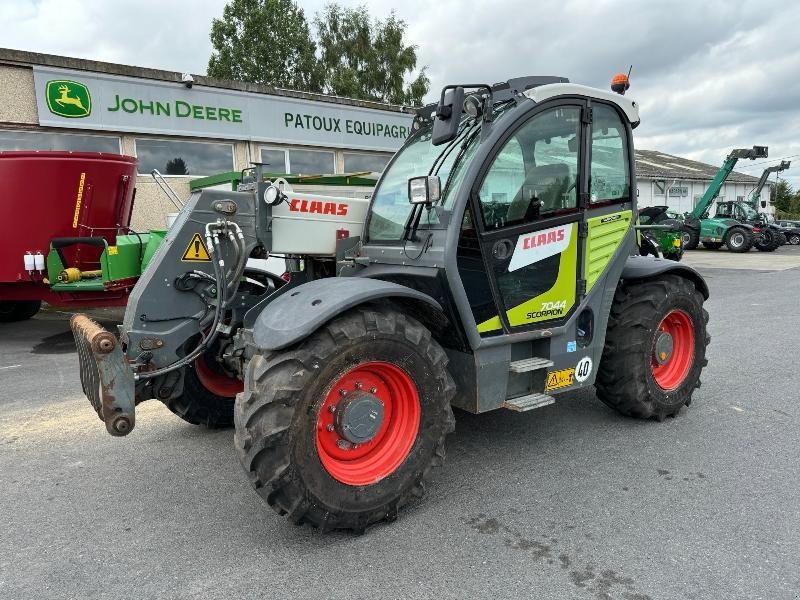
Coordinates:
[68,99]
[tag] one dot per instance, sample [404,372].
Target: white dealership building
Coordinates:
[194,126]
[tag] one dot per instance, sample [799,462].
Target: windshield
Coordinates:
[749,212]
[390,206]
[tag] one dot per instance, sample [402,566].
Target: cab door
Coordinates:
[525,216]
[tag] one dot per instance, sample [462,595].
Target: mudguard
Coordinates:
[297,313]
[647,267]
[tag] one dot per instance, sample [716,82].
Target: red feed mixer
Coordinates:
[74,203]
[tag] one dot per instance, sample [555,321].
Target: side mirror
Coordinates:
[763,204]
[448,115]
[424,190]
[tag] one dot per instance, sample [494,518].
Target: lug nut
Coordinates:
[358,385]
[372,390]
[343,392]
[329,427]
[332,408]
[343,444]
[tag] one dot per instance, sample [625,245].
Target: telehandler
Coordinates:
[496,266]
[720,230]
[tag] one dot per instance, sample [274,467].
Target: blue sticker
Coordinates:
[572,346]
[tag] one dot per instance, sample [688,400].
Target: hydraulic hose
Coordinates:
[222,285]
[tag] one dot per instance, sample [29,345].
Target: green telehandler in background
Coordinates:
[719,230]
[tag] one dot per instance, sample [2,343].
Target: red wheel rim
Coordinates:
[368,463]
[216,383]
[670,369]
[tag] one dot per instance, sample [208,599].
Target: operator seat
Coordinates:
[541,192]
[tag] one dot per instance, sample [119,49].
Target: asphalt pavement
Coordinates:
[567,501]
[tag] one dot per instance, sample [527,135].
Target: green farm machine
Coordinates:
[496,266]
[720,230]
[768,236]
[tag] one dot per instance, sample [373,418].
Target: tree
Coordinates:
[176,166]
[782,195]
[265,41]
[366,59]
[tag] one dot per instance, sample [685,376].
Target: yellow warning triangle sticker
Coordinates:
[196,251]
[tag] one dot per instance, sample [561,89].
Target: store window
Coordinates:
[275,160]
[36,140]
[311,162]
[359,163]
[298,161]
[174,157]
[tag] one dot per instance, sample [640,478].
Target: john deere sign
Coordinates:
[68,99]
[109,102]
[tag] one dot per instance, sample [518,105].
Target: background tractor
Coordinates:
[718,231]
[496,266]
[768,235]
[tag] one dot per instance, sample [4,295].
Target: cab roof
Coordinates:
[551,90]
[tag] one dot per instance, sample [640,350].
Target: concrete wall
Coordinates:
[17,96]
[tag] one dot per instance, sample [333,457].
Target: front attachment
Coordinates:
[106,378]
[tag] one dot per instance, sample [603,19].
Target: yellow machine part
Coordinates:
[71,275]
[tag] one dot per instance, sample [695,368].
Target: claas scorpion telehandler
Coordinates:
[496,266]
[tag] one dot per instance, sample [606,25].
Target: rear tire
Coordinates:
[631,379]
[739,239]
[18,310]
[280,420]
[794,239]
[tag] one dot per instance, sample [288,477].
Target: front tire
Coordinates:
[739,239]
[295,451]
[655,348]
[766,241]
[794,239]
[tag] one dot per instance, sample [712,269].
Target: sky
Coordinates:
[709,76]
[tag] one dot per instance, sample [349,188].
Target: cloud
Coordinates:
[709,76]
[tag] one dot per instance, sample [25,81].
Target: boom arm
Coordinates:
[724,171]
[763,181]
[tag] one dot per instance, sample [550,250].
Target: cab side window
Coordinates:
[535,175]
[609,174]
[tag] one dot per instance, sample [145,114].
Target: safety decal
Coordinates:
[572,346]
[611,218]
[196,251]
[559,379]
[583,369]
[538,245]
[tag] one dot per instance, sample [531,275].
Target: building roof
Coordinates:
[651,164]
[9,56]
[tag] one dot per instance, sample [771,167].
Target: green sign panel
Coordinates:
[68,99]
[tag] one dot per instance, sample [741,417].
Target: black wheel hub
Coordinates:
[663,349]
[359,417]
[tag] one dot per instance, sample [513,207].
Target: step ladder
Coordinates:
[533,400]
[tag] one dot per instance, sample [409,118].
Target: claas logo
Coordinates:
[315,206]
[543,239]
